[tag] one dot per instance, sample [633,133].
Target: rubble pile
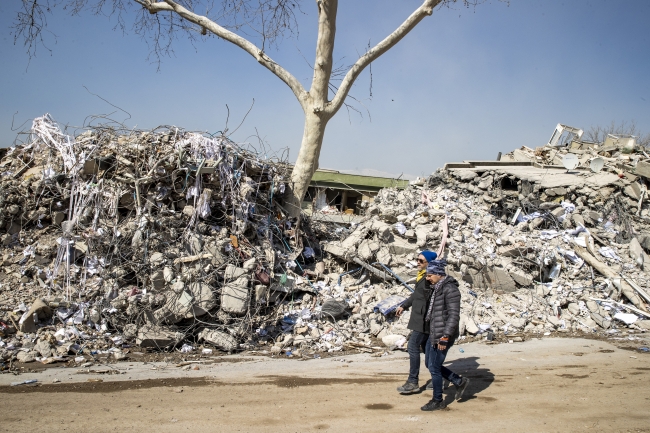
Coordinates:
[173,240]
[115,237]
[537,248]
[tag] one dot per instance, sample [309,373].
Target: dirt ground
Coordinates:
[550,385]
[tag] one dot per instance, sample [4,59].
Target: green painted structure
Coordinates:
[354,182]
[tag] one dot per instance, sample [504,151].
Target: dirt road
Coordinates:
[550,385]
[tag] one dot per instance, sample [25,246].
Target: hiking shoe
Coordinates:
[408,388]
[461,388]
[433,405]
[429,385]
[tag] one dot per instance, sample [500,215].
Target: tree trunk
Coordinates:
[316,115]
[307,162]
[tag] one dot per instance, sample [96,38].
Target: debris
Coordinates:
[38,308]
[219,339]
[394,341]
[175,240]
[156,337]
[389,304]
[626,289]
[24,382]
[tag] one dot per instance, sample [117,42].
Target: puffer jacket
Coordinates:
[418,302]
[445,312]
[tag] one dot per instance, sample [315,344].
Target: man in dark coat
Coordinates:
[418,303]
[443,316]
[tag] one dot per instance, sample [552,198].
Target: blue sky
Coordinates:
[465,84]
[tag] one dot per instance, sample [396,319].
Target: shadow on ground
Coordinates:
[480,379]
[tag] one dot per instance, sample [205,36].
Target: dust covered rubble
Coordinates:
[537,249]
[114,238]
[116,242]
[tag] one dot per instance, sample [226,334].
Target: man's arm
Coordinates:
[409,301]
[405,305]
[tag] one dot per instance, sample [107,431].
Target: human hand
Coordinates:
[443,343]
[399,311]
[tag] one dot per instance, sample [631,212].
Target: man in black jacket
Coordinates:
[418,302]
[443,316]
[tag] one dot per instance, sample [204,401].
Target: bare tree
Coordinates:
[598,133]
[239,22]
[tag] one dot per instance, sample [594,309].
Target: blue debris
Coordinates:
[389,304]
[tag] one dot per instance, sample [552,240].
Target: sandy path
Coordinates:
[551,385]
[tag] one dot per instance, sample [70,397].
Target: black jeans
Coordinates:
[417,342]
[435,358]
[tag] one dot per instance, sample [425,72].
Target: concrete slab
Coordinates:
[234,296]
[550,177]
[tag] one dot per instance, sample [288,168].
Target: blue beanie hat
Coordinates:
[437,267]
[429,255]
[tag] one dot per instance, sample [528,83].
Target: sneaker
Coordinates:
[461,388]
[433,405]
[429,385]
[408,388]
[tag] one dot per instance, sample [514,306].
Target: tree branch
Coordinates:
[243,43]
[154,7]
[324,49]
[375,52]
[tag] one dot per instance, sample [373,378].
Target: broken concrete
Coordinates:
[219,339]
[235,295]
[157,337]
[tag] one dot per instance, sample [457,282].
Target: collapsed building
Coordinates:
[548,239]
[331,192]
[174,240]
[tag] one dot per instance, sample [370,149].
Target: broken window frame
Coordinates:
[564,135]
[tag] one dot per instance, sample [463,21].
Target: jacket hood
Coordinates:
[452,280]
